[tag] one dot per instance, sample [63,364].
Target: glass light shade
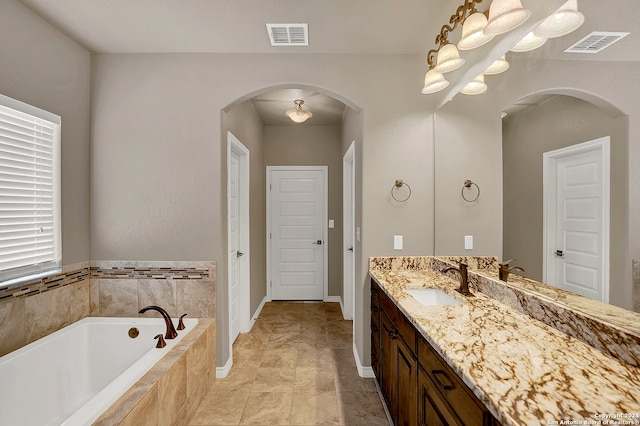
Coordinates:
[498,66]
[505,15]
[562,22]
[528,43]
[475,87]
[473,32]
[434,81]
[448,59]
[297,114]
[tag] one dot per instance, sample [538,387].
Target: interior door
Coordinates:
[579,212]
[297,199]
[234,245]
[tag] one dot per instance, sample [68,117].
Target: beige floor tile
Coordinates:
[248,357]
[238,379]
[285,340]
[340,327]
[285,328]
[280,358]
[315,408]
[315,357]
[361,408]
[314,327]
[267,408]
[314,379]
[347,379]
[221,408]
[274,380]
[313,341]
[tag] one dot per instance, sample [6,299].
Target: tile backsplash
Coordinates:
[104,288]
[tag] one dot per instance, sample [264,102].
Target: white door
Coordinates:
[238,236]
[297,245]
[577,218]
[234,246]
[348,220]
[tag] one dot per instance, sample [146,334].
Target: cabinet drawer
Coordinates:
[459,396]
[404,327]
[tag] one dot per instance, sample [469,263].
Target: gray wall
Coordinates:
[560,122]
[159,154]
[43,67]
[314,146]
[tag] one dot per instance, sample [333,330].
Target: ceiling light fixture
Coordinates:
[503,16]
[297,114]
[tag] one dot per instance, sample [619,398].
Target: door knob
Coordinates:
[239,254]
[559,253]
[350,249]
[317,243]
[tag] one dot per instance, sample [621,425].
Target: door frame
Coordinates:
[549,185]
[244,316]
[325,221]
[348,231]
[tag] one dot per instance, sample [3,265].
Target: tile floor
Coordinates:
[295,367]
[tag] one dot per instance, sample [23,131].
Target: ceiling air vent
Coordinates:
[595,42]
[288,34]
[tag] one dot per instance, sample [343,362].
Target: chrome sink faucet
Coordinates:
[171,332]
[464,283]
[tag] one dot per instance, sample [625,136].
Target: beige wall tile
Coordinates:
[94,297]
[172,392]
[54,309]
[13,331]
[160,293]
[145,413]
[196,362]
[118,297]
[196,298]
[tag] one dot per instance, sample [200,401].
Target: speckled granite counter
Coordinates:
[525,372]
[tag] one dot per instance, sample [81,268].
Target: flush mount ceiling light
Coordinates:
[297,114]
[505,15]
[528,43]
[562,22]
[498,66]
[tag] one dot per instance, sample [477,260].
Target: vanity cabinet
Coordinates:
[417,384]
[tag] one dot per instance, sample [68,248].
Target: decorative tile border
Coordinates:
[110,270]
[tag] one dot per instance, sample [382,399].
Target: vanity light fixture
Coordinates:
[297,114]
[448,59]
[504,16]
[473,31]
[562,22]
[528,43]
[475,87]
[434,81]
[499,65]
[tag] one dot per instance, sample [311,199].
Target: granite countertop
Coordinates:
[523,370]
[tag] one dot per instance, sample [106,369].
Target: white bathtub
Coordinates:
[73,375]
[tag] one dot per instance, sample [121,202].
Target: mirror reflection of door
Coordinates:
[297,239]
[576,218]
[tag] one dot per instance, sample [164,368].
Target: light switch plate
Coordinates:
[358,233]
[397,242]
[468,242]
[332,224]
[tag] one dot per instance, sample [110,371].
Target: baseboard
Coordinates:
[334,299]
[256,315]
[222,372]
[363,371]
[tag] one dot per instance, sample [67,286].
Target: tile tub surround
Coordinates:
[103,288]
[170,393]
[523,370]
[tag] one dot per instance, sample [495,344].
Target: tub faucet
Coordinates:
[171,331]
[504,270]
[464,283]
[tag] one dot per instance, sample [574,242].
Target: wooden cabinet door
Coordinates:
[406,385]
[388,362]
[433,410]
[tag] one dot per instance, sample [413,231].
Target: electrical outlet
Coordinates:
[397,242]
[468,242]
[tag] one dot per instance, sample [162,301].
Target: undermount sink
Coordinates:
[432,297]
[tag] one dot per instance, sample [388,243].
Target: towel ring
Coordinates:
[468,184]
[399,184]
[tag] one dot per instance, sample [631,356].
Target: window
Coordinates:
[30,237]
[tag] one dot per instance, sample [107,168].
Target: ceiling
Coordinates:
[335,27]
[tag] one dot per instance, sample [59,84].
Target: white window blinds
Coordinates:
[30,241]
